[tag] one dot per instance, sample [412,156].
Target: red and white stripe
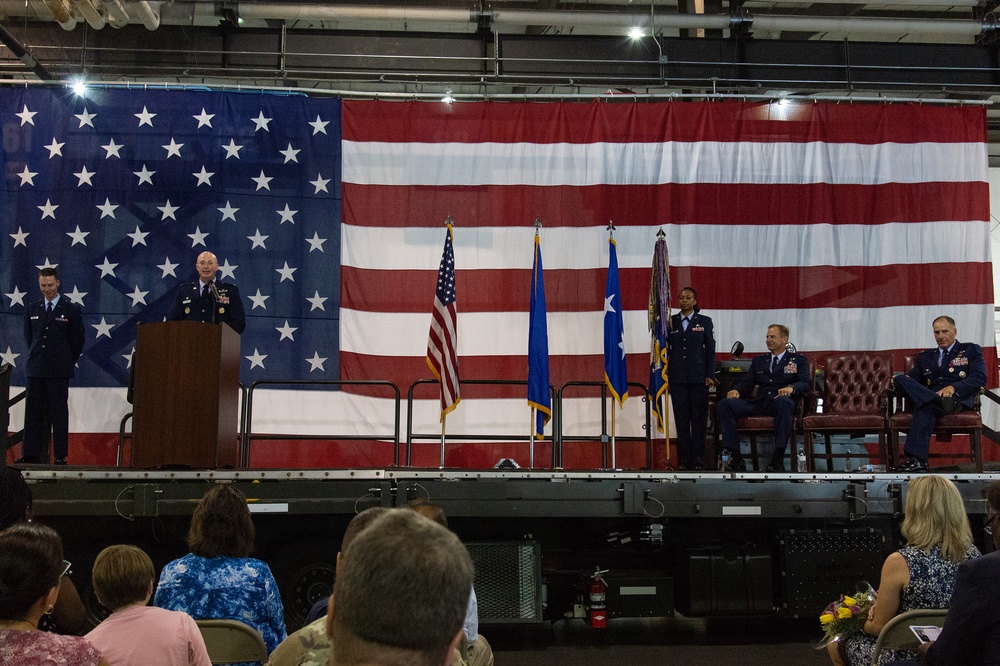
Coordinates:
[854,225]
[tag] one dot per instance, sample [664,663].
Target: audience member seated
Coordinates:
[426,573]
[69,616]
[920,575]
[31,564]
[478,651]
[971,633]
[310,645]
[218,579]
[136,634]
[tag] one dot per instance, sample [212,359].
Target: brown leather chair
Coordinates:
[855,401]
[969,422]
[755,426]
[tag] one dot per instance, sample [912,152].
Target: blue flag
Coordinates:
[539,396]
[614,332]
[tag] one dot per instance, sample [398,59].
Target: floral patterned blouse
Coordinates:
[40,648]
[932,580]
[228,588]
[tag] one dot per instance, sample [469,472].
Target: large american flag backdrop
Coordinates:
[855,225]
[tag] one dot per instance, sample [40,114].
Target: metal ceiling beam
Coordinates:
[502,19]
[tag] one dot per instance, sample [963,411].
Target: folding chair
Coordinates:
[896,634]
[232,642]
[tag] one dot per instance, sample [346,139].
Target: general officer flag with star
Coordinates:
[614,331]
[122,189]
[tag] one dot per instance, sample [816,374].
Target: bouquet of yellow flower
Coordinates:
[847,614]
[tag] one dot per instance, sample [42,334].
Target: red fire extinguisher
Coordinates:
[597,591]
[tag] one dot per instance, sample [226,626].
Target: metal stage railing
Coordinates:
[411,436]
[6,402]
[604,436]
[249,436]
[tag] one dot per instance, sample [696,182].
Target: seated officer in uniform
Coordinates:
[772,386]
[208,300]
[943,380]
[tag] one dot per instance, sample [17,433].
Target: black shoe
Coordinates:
[950,406]
[28,460]
[736,463]
[61,461]
[912,465]
[776,465]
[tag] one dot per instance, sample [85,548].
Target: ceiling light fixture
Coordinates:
[636,33]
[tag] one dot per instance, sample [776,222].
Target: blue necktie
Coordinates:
[774,364]
[684,323]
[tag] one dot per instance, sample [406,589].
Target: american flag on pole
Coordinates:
[122,189]
[855,225]
[442,340]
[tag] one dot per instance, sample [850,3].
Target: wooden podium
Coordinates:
[186,398]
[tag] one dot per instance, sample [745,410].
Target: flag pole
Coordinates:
[614,461]
[531,439]
[662,235]
[614,458]
[444,422]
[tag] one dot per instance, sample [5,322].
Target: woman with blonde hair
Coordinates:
[919,575]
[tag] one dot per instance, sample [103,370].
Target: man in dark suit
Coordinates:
[209,300]
[775,382]
[53,330]
[943,380]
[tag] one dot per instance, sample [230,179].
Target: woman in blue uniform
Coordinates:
[691,372]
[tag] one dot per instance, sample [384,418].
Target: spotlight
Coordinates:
[79,87]
[636,33]
[448,99]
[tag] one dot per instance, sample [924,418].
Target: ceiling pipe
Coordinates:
[521,17]
[298,12]
[62,13]
[118,16]
[866,25]
[148,13]
[21,54]
[90,13]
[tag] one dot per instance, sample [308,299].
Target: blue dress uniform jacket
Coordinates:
[761,384]
[54,342]
[691,352]
[963,367]
[691,355]
[759,395]
[190,305]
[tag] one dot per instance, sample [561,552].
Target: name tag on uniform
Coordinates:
[34,316]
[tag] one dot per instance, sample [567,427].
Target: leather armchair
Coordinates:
[855,402]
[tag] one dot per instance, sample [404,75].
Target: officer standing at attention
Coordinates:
[53,329]
[691,371]
[772,386]
[209,300]
[943,380]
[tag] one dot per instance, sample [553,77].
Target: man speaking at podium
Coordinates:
[209,300]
